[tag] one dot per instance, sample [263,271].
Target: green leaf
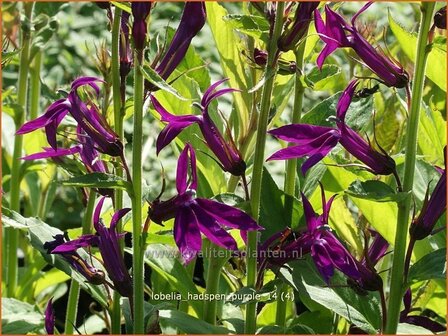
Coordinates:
[436,64]
[232,62]
[431,135]
[363,311]
[155,79]
[410,329]
[20,317]
[431,266]
[325,79]
[358,115]
[374,190]
[164,261]
[273,216]
[251,25]
[188,324]
[125,6]
[99,180]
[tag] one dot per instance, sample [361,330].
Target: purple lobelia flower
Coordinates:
[326,250]
[195,215]
[140,12]
[87,116]
[50,318]
[418,320]
[337,33]
[299,26]
[91,273]
[87,152]
[317,141]
[369,277]
[432,210]
[376,162]
[440,18]
[192,21]
[125,48]
[226,151]
[107,240]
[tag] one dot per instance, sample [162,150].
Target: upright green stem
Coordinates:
[12,236]
[118,125]
[215,262]
[35,85]
[290,177]
[396,282]
[257,174]
[137,142]
[73,295]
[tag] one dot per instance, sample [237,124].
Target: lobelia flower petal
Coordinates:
[119,214]
[206,97]
[50,318]
[212,230]
[346,99]
[227,215]
[186,157]
[186,234]
[73,245]
[51,153]
[60,106]
[192,20]
[300,133]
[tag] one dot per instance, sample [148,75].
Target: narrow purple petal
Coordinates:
[186,234]
[299,133]
[50,318]
[171,131]
[228,216]
[73,245]
[50,153]
[212,230]
[310,215]
[206,97]
[97,212]
[346,99]
[119,214]
[182,171]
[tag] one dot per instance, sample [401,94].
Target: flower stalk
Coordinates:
[12,235]
[396,282]
[257,174]
[118,127]
[73,295]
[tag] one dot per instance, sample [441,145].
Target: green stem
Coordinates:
[73,295]
[35,85]
[291,168]
[137,142]
[12,236]
[215,262]
[257,174]
[396,282]
[184,305]
[118,125]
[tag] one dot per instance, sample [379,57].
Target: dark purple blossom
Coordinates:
[140,12]
[378,163]
[225,151]
[192,21]
[91,273]
[88,154]
[317,141]
[50,318]
[338,33]
[107,240]
[440,18]
[299,26]
[432,210]
[195,215]
[326,250]
[125,50]
[88,117]
[369,277]
[418,320]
